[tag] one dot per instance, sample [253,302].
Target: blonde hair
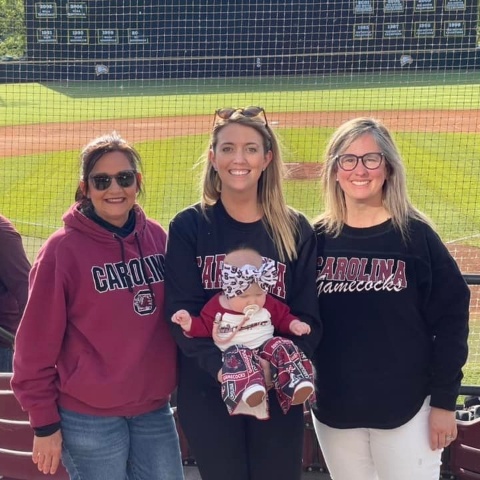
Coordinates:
[278,218]
[394,196]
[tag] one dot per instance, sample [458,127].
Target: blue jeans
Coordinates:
[144,447]
[6,355]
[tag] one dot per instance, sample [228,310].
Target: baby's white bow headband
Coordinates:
[235,280]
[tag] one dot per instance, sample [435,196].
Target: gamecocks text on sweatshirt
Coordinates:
[342,274]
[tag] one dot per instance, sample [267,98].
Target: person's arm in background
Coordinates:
[14,270]
[184,290]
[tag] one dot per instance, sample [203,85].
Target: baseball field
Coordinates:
[435,118]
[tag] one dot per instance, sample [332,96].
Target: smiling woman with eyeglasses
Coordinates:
[395,309]
[94,362]
[242,206]
[371,161]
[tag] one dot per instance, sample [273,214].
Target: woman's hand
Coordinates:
[47,452]
[442,428]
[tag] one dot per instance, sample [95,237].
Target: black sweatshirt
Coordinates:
[395,318]
[197,244]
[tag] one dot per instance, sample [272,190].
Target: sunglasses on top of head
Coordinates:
[124,179]
[249,112]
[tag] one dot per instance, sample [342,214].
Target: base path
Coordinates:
[54,137]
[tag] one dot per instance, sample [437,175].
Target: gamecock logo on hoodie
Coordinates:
[143,302]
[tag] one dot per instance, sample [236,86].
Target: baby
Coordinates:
[241,321]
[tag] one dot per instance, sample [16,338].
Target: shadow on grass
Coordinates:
[201,86]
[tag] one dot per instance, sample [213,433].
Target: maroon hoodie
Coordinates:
[14,268]
[93,339]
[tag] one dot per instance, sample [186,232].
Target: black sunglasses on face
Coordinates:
[124,179]
[249,112]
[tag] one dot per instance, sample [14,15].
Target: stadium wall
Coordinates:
[123,69]
[134,39]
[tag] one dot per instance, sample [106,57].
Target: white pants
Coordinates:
[375,454]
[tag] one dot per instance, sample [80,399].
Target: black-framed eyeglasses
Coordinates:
[349,161]
[125,179]
[249,112]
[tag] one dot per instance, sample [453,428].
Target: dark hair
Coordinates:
[95,150]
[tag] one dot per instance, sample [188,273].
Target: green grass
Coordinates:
[443,185]
[35,103]
[472,369]
[443,170]
[204,86]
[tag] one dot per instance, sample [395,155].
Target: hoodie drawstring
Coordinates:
[142,265]
[145,274]
[122,254]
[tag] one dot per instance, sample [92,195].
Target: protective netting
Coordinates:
[156,71]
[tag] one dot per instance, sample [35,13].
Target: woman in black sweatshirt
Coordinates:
[242,206]
[395,312]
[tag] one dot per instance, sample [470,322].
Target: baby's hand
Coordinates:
[299,328]
[182,318]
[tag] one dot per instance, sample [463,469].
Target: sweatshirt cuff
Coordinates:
[446,401]
[47,430]
[44,416]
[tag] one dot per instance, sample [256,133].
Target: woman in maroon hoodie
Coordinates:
[95,364]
